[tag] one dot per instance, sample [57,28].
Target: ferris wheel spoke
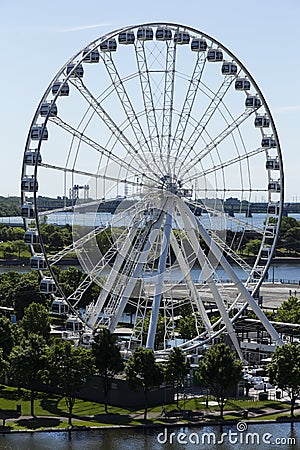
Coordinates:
[200,126]
[223,165]
[188,103]
[147,94]
[126,104]
[168,99]
[99,148]
[218,139]
[109,122]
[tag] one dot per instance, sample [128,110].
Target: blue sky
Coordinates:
[37,38]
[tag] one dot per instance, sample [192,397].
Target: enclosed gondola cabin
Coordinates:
[265,253]
[27,211]
[242,84]
[90,56]
[30,158]
[181,37]
[126,37]
[61,87]
[39,132]
[198,45]
[109,46]
[144,34]
[29,184]
[163,34]
[214,55]
[75,70]
[268,142]
[31,237]
[229,68]
[47,286]
[74,324]
[274,209]
[38,262]
[60,307]
[274,186]
[261,122]
[48,108]
[252,101]
[272,164]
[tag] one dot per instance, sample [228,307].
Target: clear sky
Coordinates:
[37,38]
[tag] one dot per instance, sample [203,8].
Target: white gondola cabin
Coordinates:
[75,70]
[48,108]
[31,237]
[74,324]
[274,208]
[47,286]
[30,158]
[214,55]
[27,211]
[181,37]
[144,34]
[59,306]
[268,142]
[126,37]
[252,101]
[262,122]
[109,46]
[38,262]
[163,34]
[29,184]
[90,56]
[265,253]
[229,68]
[242,84]
[61,87]
[274,186]
[39,132]
[272,164]
[198,45]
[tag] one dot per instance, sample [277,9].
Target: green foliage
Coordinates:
[6,336]
[220,372]
[26,362]
[176,369]
[36,320]
[284,371]
[108,359]
[289,311]
[143,371]
[68,368]
[252,247]
[187,322]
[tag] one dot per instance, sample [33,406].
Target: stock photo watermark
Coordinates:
[241,435]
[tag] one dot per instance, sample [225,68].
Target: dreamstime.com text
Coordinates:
[239,436]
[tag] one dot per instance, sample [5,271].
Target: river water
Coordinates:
[259,436]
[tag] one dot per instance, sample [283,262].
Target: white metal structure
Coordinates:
[160,127]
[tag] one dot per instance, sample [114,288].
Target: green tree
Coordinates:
[289,311]
[220,372]
[176,369]
[6,336]
[36,320]
[108,359]
[143,371]
[284,371]
[26,363]
[25,291]
[252,247]
[56,241]
[68,368]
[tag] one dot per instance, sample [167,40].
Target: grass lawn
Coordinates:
[86,413]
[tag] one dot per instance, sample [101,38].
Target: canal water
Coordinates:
[235,437]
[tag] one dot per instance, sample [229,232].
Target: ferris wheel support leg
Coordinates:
[208,275]
[186,272]
[161,274]
[142,259]
[231,273]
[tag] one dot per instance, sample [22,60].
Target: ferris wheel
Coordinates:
[154,143]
